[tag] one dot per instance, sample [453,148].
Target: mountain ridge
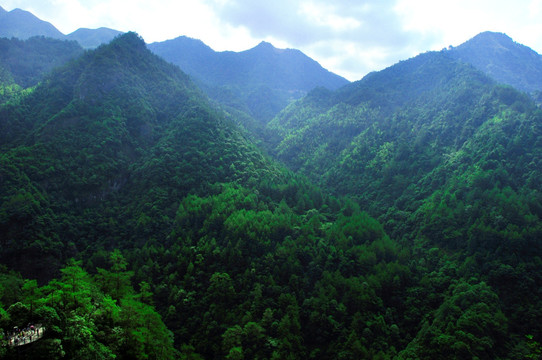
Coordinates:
[23,24]
[117,159]
[505,60]
[92,38]
[261,80]
[107,105]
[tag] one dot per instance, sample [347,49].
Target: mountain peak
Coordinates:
[490,38]
[23,25]
[493,35]
[265,45]
[191,42]
[500,57]
[92,38]
[129,39]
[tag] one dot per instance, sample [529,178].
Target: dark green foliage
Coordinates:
[117,124]
[469,324]
[28,61]
[271,279]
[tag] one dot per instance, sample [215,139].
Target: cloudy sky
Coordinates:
[348,37]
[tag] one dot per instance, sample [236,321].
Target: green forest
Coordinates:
[398,217]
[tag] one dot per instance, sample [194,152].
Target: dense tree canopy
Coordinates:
[139,221]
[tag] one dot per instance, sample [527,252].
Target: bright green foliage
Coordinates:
[262,283]
[83,322]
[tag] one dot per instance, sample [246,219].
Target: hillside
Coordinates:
[446,159]
[23,25]
[117,160]
[28,61]
[260,81]
[501,58]
[111,110]
[138,220]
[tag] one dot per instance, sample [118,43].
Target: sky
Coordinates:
[348,37]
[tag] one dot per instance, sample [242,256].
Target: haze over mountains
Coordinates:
[23,25]
[395,217]
[495,54]
[263,72]
[260,81]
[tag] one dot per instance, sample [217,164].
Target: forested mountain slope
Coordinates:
[149,226]
[260,81]
[117,160]
[508,62]
[26,62]
[444,157]
[110,122]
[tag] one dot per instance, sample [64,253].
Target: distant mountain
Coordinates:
[258,82]
[262,80]
[285,69]
[92,38]
[23,25]
[29,60]
[500,57]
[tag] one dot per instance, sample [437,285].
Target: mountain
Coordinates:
[92,38]
[27,61]
[508,62]
[111,110]
[447,160]
[118,161]
[261,80]
[23,25]
[292,69]
[254,84]
[138,220]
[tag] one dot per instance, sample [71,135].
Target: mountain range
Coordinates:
[23,24]
[264,72]
[258,82]
[395,217]
[118,148]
